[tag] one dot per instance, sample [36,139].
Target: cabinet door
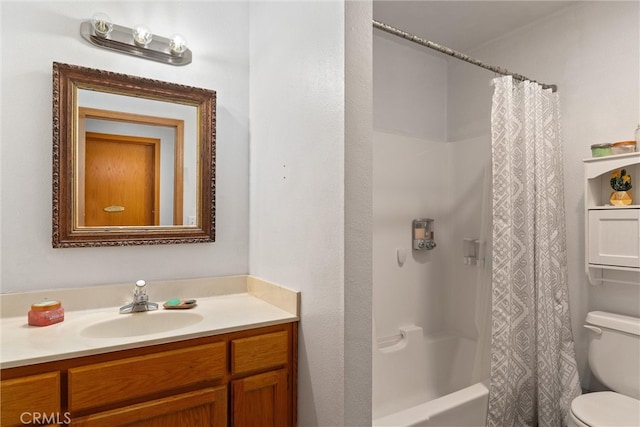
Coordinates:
[614,237]
[202,408]
[30,399]
[261,400]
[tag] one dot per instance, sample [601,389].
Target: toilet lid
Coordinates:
[606,408]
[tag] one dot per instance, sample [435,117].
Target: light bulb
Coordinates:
[141,35]
[177,44]
[102,24]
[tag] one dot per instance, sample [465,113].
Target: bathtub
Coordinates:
[423,380]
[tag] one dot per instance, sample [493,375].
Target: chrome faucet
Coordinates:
[140,300]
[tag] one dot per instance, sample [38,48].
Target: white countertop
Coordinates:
[260,305]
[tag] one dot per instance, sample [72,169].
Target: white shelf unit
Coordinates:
[612,233]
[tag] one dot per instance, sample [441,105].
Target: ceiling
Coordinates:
[463,25]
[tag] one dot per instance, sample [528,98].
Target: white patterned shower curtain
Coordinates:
[534,374]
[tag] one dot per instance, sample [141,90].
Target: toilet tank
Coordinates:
[614,354]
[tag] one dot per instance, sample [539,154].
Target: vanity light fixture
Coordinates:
[137,41]
[101,24]
[177,43]
[142,35]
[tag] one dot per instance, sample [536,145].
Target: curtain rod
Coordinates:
[448,51]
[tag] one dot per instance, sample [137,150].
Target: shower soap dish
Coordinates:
[179,304]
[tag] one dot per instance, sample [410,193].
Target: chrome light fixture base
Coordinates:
[120,39]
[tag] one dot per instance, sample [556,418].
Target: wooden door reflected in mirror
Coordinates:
[121,181]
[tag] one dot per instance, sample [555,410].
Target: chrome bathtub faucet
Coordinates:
[140,300]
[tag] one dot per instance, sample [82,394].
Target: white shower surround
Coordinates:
[432,289]
[418,173]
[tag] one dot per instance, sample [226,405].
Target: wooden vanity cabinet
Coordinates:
[29,399]
[243,378]
[206,407]
[260,400]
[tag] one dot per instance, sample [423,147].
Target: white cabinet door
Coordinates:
[614,237]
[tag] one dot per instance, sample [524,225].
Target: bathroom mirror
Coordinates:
[133,160]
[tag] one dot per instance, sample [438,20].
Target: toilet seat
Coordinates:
[606,408]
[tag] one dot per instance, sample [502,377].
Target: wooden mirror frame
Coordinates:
[67,79]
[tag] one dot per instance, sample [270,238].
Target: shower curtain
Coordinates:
[533,369]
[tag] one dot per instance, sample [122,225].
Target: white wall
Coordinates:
[592,53]
[358,182]
[35,34]
[297,184]
[410,89]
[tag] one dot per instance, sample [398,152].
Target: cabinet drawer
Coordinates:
[614,237]
[111,382]
[207,407]
[30,395]
[260,352]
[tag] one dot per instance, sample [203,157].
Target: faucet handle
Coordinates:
[140,287]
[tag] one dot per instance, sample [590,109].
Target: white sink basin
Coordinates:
[145,323]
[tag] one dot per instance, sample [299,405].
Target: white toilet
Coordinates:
[614,359]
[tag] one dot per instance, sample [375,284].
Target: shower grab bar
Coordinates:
[390,340]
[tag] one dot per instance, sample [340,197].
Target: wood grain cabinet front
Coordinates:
[202,408]
[261,400]
[31,399]
[259,352]
[244,378]
[122,380]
